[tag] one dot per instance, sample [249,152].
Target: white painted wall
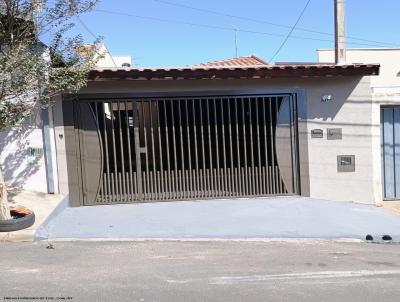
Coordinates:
[389,59]
[108,60]
[19,169]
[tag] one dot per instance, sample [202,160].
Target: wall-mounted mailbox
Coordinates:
[334,133]
[346,163]
[34,155]
[317,133]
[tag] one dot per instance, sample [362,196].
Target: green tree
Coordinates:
[32,72]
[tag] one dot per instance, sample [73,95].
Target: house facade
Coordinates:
[225,129]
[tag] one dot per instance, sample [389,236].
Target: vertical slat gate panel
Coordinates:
[253,180]
[232,175]
[205,186]
[116,193]
[105,148]
[100,197]
[128,140]
[272,147]
[268,183]
[154,190]
[225,181]
[138,163]
[246,180]
[190,172]
[162,180]
[197,187]
[239,165]
[216,150]
[260,182]
[176,187]
[149,183]
[166,132]
[210,178]
[122,159]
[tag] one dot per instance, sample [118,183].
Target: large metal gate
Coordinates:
[133,149]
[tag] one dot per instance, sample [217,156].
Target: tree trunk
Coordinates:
[4,208]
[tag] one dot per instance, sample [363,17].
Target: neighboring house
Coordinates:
[27,151]
[225,129]
[103,57]
[387,84]
[108,60]
[385,109]
[23,158]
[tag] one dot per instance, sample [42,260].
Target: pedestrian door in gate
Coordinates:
[390,151]
[135,149]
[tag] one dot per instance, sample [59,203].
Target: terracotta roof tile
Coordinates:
[238,61]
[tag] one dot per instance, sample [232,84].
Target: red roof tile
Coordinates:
[238,61]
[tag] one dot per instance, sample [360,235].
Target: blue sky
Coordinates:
[154,43]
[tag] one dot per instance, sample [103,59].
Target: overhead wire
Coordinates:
[208,11]
[221,27]
[291,31]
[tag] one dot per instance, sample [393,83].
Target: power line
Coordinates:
[291,31]
[222,27]
[208,11]
[95,37]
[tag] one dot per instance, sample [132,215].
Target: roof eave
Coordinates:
[292,71]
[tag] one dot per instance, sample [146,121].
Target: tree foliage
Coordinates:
[31,72]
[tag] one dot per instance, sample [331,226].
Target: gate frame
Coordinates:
[71,131]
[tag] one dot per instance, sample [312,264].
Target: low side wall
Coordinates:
[22,156]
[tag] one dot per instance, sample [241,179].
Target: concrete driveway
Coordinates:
[241,218]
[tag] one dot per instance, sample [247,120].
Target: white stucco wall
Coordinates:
[20,169]
[351,109]
[106,60]
[389,59]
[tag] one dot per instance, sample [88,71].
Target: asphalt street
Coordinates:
[200,271]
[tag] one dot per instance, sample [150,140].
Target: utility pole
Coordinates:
[340,43]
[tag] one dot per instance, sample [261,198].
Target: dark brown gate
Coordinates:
[177,148]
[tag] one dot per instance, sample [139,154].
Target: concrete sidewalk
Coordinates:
[241,218]
[40,203]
